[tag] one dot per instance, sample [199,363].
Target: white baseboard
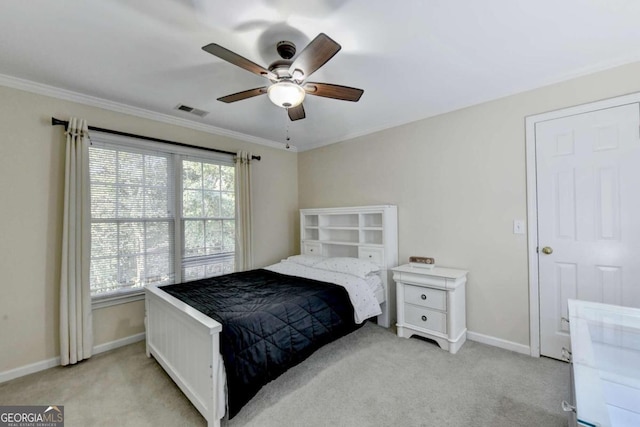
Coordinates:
[50,363]
[101,348]
[498,342]
[28,369]
[118,343]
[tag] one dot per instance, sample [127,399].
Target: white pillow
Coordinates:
[353,266]
[307,260]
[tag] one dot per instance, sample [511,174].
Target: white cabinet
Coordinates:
[365,232]
[431,304]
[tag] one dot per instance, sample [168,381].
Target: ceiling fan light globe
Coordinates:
[286,94]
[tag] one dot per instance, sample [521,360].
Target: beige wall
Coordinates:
[459,181]
[31,187]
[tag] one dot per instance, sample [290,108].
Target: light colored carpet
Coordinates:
[368,378]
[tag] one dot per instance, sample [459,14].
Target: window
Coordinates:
[208,218]
[158,217]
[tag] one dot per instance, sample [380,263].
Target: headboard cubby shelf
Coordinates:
[366,232]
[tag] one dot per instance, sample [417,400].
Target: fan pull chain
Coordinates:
[287,129]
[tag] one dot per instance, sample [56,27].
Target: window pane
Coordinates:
[228,177]
[228,205]
[102,165]
[131,270]
[130,168]
[215,269]
[156,202]
[193,273]
[130,202]
[104,240]
[192,204]
[211,175]
[220,266]
[156,171]
[212,204]
[157,237]
[131,236]
[229,236]
[158,268]
[191,175]
[193,238]
[103,275]
[214,237]
[103,201]
[228,266]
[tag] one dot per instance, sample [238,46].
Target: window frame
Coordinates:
[176,155]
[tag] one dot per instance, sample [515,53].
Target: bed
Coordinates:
[186,336]
[273,319]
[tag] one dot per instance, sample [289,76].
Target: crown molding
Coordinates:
[67,95]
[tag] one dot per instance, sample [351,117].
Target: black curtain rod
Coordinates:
[58,122]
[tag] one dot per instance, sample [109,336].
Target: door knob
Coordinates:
[547,250]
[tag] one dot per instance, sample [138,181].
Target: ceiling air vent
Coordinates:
[199,113]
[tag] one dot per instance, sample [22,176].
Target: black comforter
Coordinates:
[270,322]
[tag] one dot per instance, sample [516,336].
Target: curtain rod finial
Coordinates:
[56,122]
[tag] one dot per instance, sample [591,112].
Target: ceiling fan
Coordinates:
[289,76]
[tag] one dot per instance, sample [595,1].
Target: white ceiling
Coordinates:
[413,58]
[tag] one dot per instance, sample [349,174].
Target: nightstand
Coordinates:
[431,304]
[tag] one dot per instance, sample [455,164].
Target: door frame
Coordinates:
[532,200]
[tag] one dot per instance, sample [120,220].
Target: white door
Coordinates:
[588,190]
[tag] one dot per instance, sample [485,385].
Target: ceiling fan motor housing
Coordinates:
[286,49]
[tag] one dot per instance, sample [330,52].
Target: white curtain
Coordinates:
[244,249]
[76,336]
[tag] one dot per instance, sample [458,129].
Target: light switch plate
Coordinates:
[518,226]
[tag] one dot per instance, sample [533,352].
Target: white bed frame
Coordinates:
[186,343]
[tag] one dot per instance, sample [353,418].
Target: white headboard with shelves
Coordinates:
[366,232]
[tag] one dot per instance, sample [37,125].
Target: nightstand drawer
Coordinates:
[425,318]
[426,297]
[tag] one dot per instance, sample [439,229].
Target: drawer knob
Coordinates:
[423,296]
[424,318]
[370,256]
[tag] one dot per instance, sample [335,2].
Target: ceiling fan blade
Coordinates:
[315,55]
[243,95]
[235,59]
[327,90]
[296,113]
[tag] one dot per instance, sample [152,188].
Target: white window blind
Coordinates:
[132,220]
[160,214]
